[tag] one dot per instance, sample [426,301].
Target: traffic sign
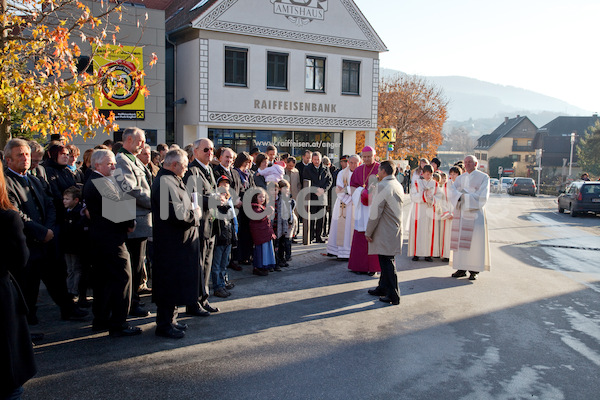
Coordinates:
[500,169]
[387,135]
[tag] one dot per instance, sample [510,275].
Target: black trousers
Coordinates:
[207,248]
[284,249]
[137,252]
[53,274]
[316,224]
[388,282]
[166,316]
[112,287]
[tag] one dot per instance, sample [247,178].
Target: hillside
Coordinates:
[471,99]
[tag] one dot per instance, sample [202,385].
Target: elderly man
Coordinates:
[470,249]
[37,155]
[110,258]
[177,245]
[319,178]
[363,184]
[28,195]
[145,157]
[135,180]
[199,179]
[384,231]
[342,223]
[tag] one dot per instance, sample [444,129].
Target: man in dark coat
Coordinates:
[199,179]
[319,178]
[37,211]
[225,168]
[177,245]
[110,258]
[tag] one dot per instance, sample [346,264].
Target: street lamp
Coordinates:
[571,158]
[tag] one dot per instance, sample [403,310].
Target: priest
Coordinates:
[342,221]
[363,184]
[470,249]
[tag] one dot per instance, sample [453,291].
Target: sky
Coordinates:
[550,47]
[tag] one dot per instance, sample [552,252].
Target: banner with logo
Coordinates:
[120,92]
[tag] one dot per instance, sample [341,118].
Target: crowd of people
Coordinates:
[127,216]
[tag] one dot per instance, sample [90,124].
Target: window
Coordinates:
[516,157]
[529,143]
[315,74]
[483,157]
[236,66]
[277,65]
[350,77]
[515,142]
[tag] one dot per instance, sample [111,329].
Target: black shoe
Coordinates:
[180,326]
[209,308]
[138,312]
[342,259]
[429,259]
[99,327]
[277,268]
[376,292]
[234,266]
[196,312]
[270,269]
[473,276]
[371,273]
[229,285]
[75,314]
[459,274]
[222,292]
[445,259]
[84,303]
[319,240]
[260,272]
[36,337]
[386,299]
[127,331]
[171,333]
[331,255]
[415,258]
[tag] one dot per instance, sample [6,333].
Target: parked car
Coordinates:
[505,182]
[494,185]
[580,197]
[522,186]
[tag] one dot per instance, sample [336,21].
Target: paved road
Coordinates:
[530,328]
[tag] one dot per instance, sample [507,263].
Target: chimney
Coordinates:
[505,120]
[518,116]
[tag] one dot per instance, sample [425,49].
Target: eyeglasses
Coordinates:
[206,150]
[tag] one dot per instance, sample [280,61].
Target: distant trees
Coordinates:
[459,140]
[588,150]
[417,109]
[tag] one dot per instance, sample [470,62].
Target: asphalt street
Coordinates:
[528,329]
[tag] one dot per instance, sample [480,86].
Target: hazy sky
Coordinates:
[550,47]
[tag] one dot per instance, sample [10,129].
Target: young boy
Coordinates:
[226,236]
[285,223]
[424,232]
[72,231]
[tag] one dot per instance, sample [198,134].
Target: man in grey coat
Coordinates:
[135,180]
[384,231]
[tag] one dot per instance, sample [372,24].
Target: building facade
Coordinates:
[513,138]
[295,74]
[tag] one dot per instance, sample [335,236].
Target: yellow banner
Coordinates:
[120,92]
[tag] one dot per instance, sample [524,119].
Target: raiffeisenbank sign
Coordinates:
[300,12]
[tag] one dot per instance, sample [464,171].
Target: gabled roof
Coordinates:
[152,4]
[487,141]
[337,23]
[560,126]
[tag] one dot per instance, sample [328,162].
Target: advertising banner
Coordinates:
[120,92]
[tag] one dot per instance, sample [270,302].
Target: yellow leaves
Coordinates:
[153,60]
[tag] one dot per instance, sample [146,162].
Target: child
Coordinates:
[445,218]
[71,232]
[262,234]
[285,223]
[274,173]
[226,224]
[424,234]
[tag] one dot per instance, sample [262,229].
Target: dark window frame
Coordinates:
[347,76]
[233,63]
[315,68]
[272,80]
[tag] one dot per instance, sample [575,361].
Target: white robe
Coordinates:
[423,240]
[344,197]
[468,195]
[445,222]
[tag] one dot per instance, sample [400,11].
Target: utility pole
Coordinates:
[571,158]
